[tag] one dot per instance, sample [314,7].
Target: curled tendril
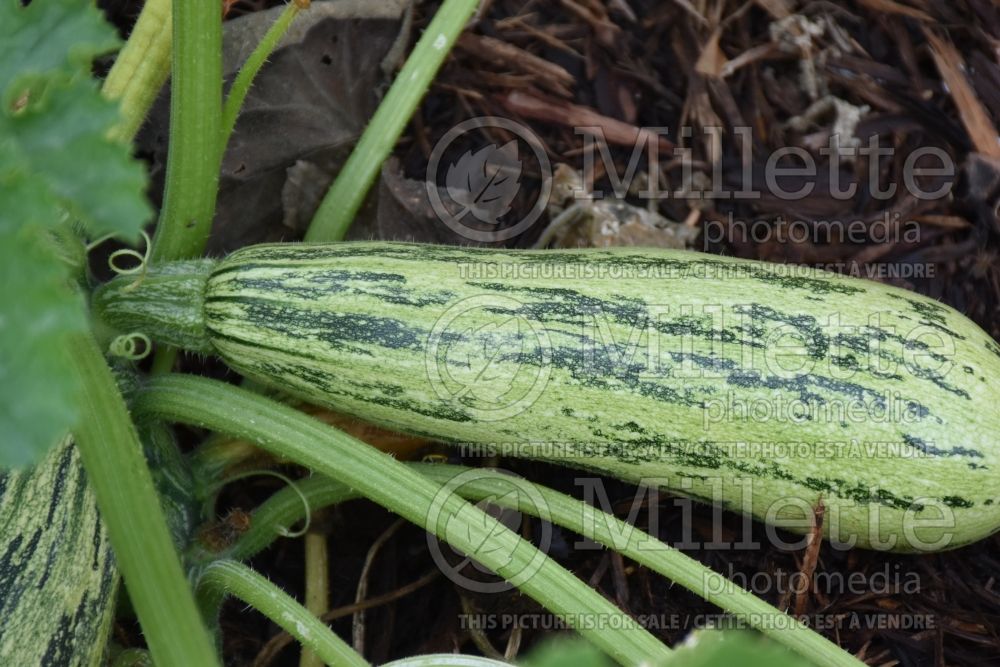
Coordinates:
[128,346]
[140,267]
[281,530]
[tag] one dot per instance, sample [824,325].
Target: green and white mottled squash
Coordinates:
[694,372]
[58,580]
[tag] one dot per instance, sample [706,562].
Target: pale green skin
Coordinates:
[58,580]
[352,326]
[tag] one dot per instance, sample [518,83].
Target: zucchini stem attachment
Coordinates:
[165,304]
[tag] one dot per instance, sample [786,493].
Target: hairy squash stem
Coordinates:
[285,508]
[244,78]
[224,577]
[295,436]
[130,507]
[193,157]
[348,192]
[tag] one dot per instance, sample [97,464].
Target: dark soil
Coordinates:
[661,63]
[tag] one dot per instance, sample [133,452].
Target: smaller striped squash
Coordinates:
[58,580]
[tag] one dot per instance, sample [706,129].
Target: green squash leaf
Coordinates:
[49,37]
[58,141]
[57,168]
[37,395]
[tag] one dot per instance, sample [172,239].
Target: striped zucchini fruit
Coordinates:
[763,388]
[58,580]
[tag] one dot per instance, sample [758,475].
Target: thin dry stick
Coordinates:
[476,633]
[813,542]
[358,625]
[548,74]
[513,644]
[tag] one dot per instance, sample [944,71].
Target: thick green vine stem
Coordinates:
[193,158]
[112,456]
[344,199]
[141,69]
[285,508]
[230,577]
[295,436]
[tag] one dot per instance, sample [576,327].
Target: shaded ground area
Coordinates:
[914,74]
